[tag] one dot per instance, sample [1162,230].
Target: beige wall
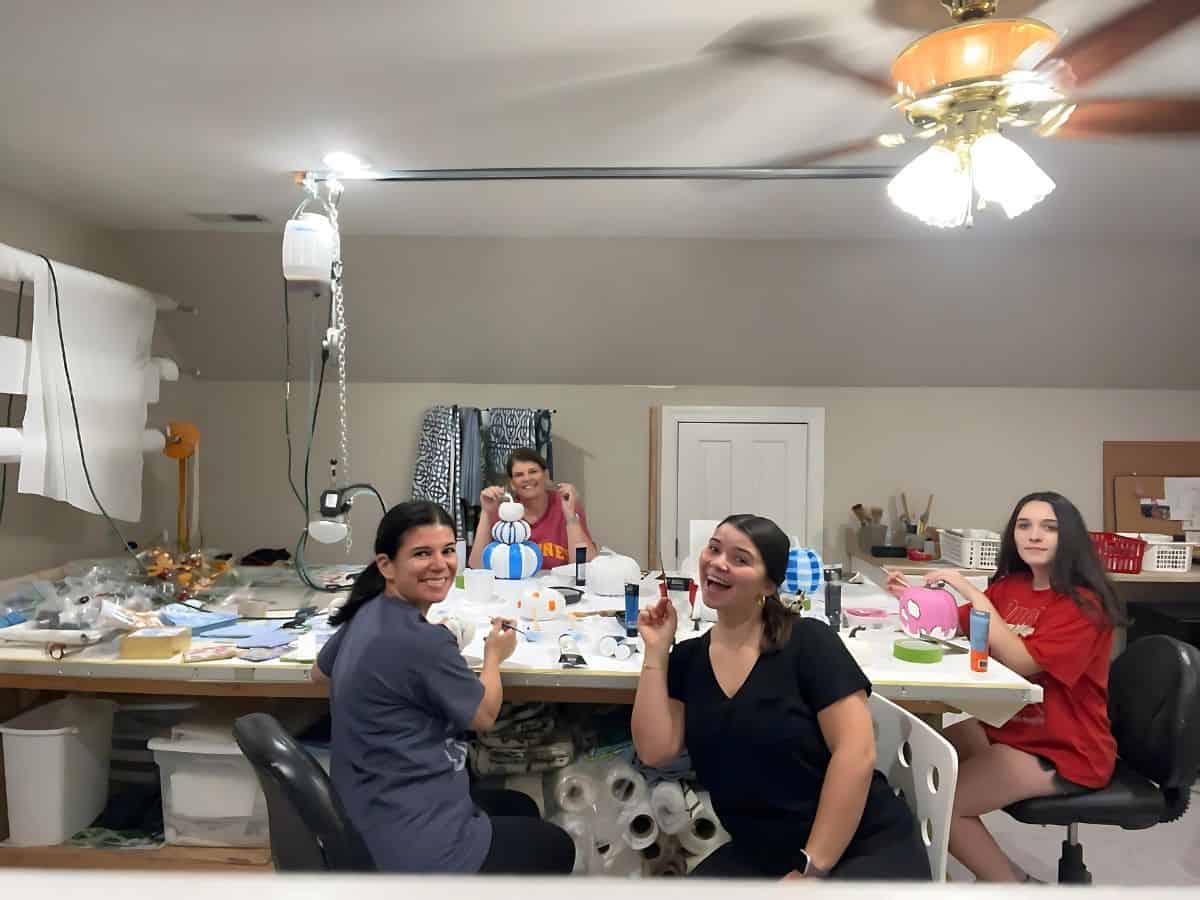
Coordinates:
[35,532]
[977,449]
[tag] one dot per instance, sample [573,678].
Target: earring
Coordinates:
[762,601]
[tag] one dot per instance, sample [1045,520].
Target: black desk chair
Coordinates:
[310,831]
[1154,707]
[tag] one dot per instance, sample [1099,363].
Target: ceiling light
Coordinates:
[344,163]
[935,187]
[938,187]
[1006,175]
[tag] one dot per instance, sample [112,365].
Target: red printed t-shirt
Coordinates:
[1070,726]
[550,532]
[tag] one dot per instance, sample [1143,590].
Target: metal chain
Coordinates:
[339,323]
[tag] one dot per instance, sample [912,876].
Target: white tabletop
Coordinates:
[993,696]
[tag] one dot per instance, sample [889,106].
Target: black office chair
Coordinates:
[1154,708]
[310,831]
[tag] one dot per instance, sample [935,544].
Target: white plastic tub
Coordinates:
[209,793]
[56,769]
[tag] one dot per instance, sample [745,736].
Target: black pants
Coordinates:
[522,844]
[902,859]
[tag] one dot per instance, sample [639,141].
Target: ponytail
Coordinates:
[777,624]
[368,585]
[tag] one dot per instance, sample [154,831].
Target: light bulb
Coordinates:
[1006,175]
[934,187]
[345,163]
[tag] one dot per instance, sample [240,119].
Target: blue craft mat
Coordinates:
[199,621]
[243,629]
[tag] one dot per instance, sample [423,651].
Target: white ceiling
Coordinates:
[134,114]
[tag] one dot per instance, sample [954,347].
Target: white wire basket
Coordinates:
[1164,555]
[970,548]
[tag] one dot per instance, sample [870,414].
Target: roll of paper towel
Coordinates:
[638,828]
[574,791]
[624,786]
[704,834]
[584,837]
[669,807]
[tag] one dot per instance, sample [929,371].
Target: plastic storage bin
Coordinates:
[970,548]
[210,795]
[1119,554]
[56,769]
[1163,554]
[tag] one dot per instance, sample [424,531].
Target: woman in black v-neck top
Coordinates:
[773,711]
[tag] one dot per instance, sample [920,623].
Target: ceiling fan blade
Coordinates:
[1133,116]
[617,173]
[794,41]
[1093,53]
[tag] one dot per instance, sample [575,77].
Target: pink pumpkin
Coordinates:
[929,611]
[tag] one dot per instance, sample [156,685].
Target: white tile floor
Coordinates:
[1163,855]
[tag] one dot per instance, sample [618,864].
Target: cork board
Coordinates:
[1135,469]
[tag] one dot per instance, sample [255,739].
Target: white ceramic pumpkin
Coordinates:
[609,572]
[541,603]
[511,510]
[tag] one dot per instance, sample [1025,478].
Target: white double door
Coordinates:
[741,467]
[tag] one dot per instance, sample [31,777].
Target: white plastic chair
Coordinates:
[922,768]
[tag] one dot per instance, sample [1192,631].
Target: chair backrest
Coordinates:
[310,830]
[922,768]
[1154,708]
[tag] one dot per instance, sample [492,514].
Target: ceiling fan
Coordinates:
[958,88]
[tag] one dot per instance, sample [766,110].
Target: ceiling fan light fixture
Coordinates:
[976,49]
[1006,175]
[935,188]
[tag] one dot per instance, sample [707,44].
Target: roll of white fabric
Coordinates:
[664,858]
[573,791]
[618,860]
[624,786]
[669,807]
[638,828]
[704,834]
[584,838]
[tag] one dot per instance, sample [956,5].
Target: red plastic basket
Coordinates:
[1118,553]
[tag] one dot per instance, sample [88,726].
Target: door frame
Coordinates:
[668,462]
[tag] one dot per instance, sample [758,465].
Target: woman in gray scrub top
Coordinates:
[401,696]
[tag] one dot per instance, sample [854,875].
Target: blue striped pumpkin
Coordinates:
[511,532]
[512,561]
[803,571]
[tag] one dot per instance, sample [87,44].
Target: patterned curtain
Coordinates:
[436,475]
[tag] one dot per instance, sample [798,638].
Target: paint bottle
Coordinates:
[833,597]
[632,606]
[980,623]
[580,559]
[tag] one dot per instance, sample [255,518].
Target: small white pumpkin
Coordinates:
[541,603]
[511,510]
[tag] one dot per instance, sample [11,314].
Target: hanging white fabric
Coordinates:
[107,328]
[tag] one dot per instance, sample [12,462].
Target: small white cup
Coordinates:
[479,584]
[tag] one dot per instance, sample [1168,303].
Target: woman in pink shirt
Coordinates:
[554,512]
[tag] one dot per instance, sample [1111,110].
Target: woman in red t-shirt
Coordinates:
[1053,611]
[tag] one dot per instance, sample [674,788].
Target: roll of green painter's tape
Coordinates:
[915,650]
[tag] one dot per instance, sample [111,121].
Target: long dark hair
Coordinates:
[773,546]
[1076,566]
[397,522]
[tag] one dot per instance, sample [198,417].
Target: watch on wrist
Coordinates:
[806,867]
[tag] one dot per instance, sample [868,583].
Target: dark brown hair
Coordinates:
[1076,567]
[525,454]
[773,546]
[396,523]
